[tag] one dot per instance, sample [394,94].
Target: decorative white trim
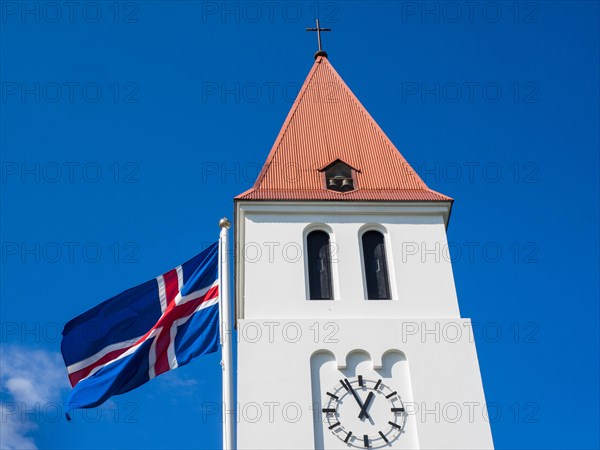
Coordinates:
[345,208]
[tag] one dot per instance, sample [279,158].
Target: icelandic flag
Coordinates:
[143,332]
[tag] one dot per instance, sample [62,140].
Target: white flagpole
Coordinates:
[226,333]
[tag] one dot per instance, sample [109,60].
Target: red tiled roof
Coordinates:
[326,123]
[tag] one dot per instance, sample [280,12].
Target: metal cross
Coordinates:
[318,30]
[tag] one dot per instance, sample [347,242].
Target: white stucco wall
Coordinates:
[280,330]
[278,389]
[272,272]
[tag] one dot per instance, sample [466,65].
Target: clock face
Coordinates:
[364,413]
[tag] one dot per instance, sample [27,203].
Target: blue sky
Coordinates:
[127,128]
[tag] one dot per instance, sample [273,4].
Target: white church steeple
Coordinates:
[349,328]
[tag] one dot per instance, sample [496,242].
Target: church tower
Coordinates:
[349,330]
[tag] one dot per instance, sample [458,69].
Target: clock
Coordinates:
[364,413]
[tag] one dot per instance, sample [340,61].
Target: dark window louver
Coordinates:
[319,265]
[339,177]
[376,271]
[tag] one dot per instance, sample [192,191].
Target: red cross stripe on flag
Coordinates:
[176,310]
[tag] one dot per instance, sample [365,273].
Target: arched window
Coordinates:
[319,265]
[376,272]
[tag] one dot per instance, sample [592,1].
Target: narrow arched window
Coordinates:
[376,272]
[319,265]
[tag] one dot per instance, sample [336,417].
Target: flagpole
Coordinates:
[226,333]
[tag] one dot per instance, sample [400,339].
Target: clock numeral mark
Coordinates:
[397,409]
[366,440]
[348,436]
[384,438]
[331,427]
[377,385]
[360,380]
[395,425]
[329,410]
[391,395]
[333,395]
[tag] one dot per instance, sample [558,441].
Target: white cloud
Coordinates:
[29,381]
[14,431]
[23,389]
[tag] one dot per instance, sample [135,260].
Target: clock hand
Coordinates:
[363,411]
[356,397]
